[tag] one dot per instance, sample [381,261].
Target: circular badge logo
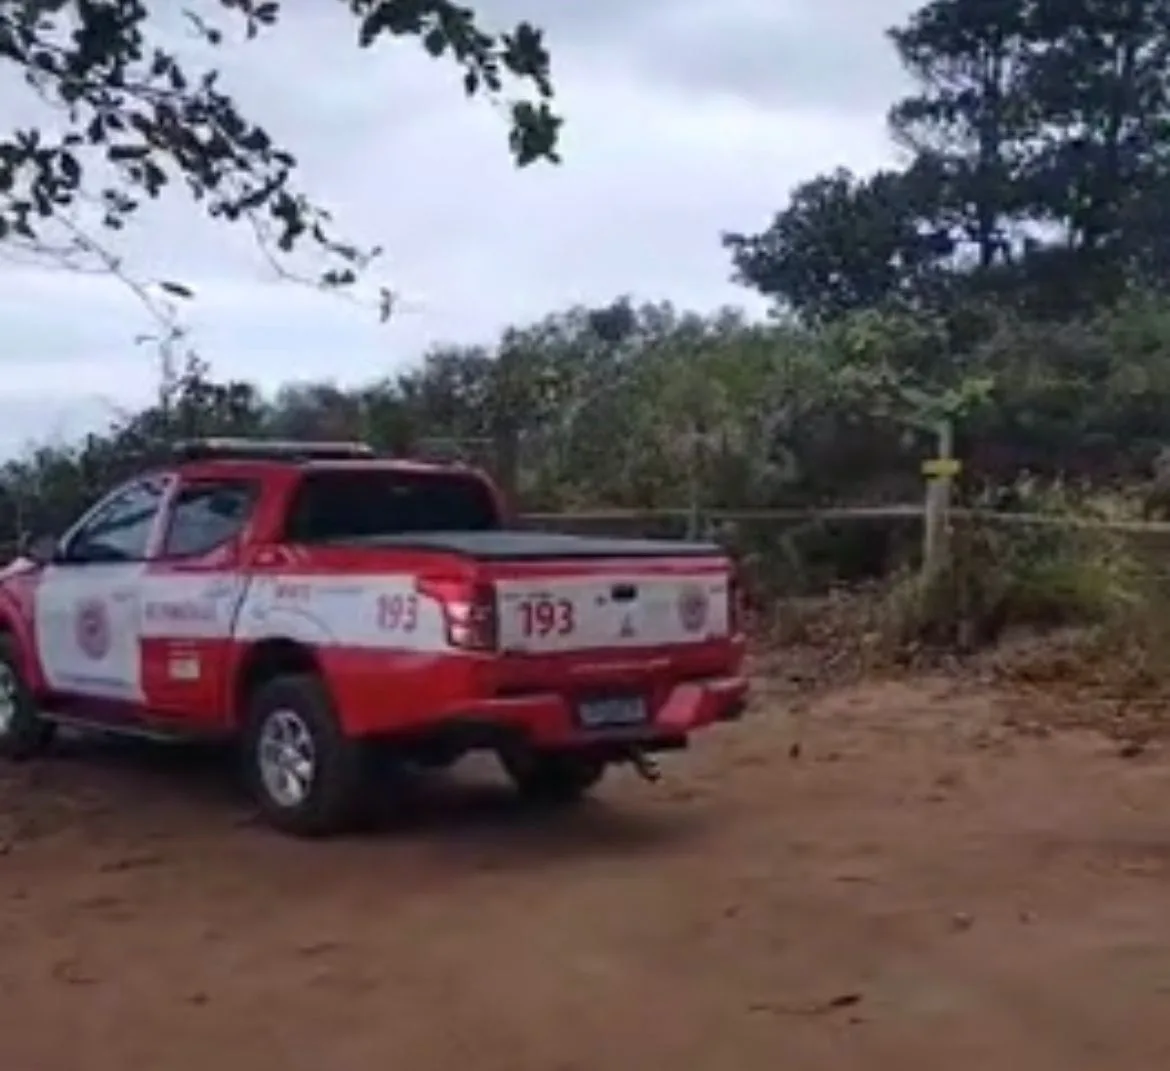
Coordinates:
[92,628]
[693,605]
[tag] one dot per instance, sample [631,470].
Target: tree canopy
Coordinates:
[1011,273]
[132,117]
[1038,170]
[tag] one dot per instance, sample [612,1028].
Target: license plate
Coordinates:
[612,712]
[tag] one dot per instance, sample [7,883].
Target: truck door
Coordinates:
[192,592]
[86,607]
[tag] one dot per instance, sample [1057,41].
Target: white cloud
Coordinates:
[657,163]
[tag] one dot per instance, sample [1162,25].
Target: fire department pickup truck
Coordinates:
[321,605]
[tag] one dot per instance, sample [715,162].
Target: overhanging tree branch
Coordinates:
[138,118]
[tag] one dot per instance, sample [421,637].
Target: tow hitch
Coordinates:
[646,766]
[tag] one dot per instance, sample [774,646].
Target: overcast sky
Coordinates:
[684,118]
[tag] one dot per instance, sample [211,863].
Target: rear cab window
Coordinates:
[206,515]
[335,504]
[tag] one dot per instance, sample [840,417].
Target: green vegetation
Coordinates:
[1001,577]
[1014,275]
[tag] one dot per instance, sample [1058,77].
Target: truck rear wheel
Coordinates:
[553,777]
[307,776]
[24,734]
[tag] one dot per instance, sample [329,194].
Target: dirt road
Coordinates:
[915,888]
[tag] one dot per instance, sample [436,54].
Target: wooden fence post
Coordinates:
[505,426]
[506,462]
[939,471]
[694,499]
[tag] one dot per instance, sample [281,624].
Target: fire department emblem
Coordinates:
[693,605]
[92,629]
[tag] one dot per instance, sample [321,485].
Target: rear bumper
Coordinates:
[546,720]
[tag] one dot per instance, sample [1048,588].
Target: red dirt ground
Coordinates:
[911,887]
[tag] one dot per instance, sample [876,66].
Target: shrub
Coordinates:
[1000,574]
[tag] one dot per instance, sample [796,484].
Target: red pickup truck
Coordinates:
[322,605]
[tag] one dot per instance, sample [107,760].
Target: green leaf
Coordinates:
[376,23]
[123,153]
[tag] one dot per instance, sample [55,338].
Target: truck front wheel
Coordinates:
[307,776]
[553,777]
[24,734]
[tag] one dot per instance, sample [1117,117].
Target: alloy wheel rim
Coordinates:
[287,758]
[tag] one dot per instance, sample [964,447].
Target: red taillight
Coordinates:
[469,612]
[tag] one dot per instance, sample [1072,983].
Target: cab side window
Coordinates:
[206,515]
[119,530]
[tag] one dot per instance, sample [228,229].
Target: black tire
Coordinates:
[24,734]
[336,794]
[553,778]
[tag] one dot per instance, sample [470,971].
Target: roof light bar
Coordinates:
[270,449]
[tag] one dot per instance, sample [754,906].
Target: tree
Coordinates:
[134,118]
[1047,121]
[1037,177]
[846,243]
[965,122]
[1103,93]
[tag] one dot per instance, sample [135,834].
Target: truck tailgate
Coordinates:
[624,605]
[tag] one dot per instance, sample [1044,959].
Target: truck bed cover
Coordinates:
[517,545]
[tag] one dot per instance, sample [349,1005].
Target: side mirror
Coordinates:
[41,549]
